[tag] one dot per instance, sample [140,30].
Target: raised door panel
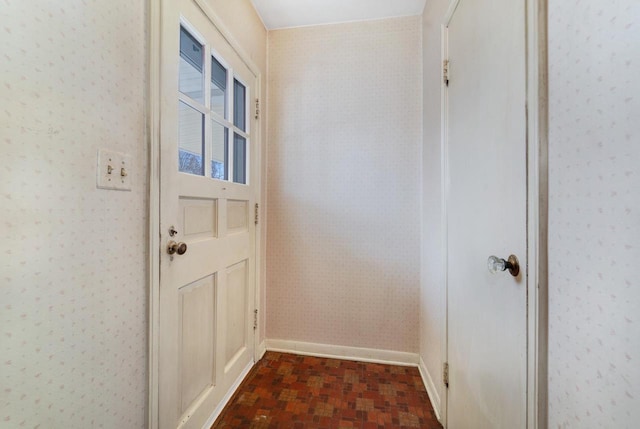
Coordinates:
[197,339]
[236,308]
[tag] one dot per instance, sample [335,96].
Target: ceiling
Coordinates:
[298,13]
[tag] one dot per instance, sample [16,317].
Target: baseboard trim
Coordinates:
[431,388]
[343,352]
[262,349]
[227,396]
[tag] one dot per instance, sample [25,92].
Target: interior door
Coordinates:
[487,312]
[208,190]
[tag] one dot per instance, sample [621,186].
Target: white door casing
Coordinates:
[486,214]
[206,296]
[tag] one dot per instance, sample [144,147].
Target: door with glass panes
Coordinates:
[208,190]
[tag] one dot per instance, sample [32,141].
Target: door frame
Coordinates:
[154,58]
[537,207]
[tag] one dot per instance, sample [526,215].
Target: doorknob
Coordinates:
[496,264]
[179,248]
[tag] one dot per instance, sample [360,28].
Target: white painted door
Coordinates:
[208,175]
[487,313]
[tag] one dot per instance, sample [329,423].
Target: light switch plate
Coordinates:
[114,170]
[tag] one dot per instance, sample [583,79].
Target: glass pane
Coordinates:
[191,62]
[190,142]
[219,151]
[218,88]
[239,159]
[239,105]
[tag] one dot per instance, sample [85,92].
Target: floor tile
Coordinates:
[291,391]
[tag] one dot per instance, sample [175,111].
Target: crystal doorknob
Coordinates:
[496,264]
[179,248]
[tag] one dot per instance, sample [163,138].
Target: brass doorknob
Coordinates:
[179,248]
[496,264]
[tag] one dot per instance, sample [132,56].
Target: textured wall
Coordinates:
[431,264]
[73,313]
[73,331]
[594,230]
[344,164]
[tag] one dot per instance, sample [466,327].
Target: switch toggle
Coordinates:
[108,163]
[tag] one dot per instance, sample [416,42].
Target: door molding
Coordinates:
[537,206]
[153,120]
[537,212]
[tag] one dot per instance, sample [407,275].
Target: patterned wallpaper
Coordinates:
[344,165]
[73,330]
[594,230]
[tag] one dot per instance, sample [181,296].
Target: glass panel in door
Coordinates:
[191,67]
[190,140]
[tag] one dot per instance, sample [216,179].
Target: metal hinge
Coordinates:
[257,108]
[445,374]
[445,72]
[256,214]
[255,319]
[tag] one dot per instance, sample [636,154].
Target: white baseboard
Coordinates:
[262,349]
[227,397]
[344,352]
[431,388]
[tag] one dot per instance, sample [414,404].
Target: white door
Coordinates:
[208,187]
[487,313]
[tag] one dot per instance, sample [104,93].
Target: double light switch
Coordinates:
[114,170]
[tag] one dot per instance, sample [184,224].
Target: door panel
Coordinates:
[486,206]
[237,216]
[198,217]
[197,342]
[206,294]
[236,312]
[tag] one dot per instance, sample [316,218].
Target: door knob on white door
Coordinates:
[179,248]
[496,264]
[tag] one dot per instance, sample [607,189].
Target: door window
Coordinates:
[218,88]
[191,66]
[211,144]
[191,135]
[239,105]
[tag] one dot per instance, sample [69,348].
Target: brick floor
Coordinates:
[291,391]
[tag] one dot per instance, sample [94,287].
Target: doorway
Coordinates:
[494,178]
[204,267]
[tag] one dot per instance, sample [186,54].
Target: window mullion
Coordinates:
[221,120]
[230,140]
[207,117]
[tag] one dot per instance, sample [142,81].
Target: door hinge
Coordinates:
[445,72]
[255,319]
[256,213]
[257,108]
[445,374]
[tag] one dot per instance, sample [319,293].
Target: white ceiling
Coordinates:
[297,13]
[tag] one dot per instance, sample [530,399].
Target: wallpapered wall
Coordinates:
[594,227]
[73,331]
[73,312]
[344,165]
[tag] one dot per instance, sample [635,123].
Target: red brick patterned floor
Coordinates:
[291,391]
